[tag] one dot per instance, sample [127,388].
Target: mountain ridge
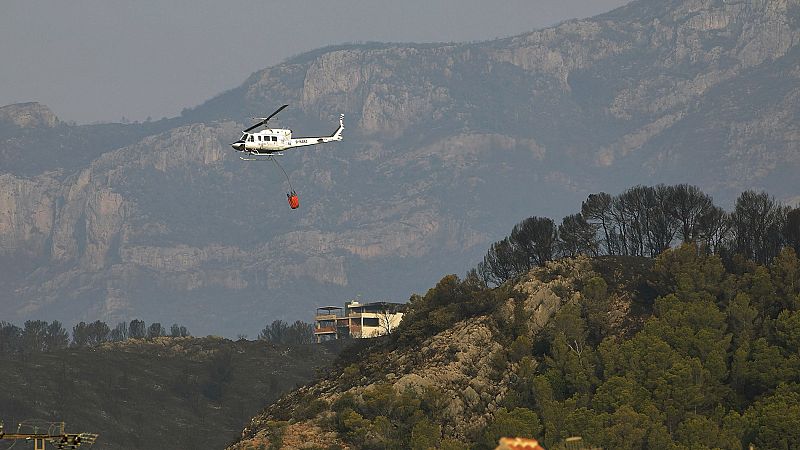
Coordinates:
[446,147]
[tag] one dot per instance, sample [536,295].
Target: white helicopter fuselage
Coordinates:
[274,140]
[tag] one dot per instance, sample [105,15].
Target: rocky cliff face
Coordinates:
[446,147]
[28,115]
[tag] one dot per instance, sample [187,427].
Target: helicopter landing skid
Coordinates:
[261,157]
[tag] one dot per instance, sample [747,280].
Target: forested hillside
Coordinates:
[151,392]
[626,352]
[692,345]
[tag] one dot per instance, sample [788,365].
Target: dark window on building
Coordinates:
[371,322]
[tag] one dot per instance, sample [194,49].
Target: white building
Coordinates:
[357,320]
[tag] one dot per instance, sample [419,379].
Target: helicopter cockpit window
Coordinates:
[251,138]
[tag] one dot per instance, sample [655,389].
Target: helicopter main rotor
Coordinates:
[264,121]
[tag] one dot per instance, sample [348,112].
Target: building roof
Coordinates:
[329,308]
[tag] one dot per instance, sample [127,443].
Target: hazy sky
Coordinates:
[100,60]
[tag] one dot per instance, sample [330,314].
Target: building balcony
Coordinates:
[320,317]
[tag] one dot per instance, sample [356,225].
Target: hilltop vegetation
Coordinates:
[644,221]
[42,336]
[696,347]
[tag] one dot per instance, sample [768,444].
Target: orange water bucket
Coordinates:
[294,201]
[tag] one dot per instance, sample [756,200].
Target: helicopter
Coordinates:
[271,142]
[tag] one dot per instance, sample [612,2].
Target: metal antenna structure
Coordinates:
[53,432]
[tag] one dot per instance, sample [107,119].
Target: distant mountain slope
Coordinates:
[446,146]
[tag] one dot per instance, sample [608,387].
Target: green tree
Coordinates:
[774,421]
[791,230]
[453,444]
[628,429]
[596,308]
[10,337]
[697,431]
[300,333]
[741,315]
[766,367]
[787,330]
[97,333]
[584,422]
[696,329]
[577,237]
[571,366]
[119,333]
[688,205]
[425,435]
[714,230]
[536,239]
[136,329]
[502,262]
[520,348]
[56,336]
[220,373]
[758,284]
[785,274]
[597,210]
[757,222]
[34,335]
[155,330]
[661,223]
[443,305]
[80,335]
[519,422]
[686,271]
[641,215]
[354,425]
[274,332]
[617,391]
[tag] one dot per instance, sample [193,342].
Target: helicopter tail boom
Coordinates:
[336,136]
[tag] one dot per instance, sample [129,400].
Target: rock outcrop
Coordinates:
[28,115]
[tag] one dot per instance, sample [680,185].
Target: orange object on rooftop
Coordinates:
[519,444]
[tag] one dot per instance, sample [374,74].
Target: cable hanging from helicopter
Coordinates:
[264,145]
[291,196]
